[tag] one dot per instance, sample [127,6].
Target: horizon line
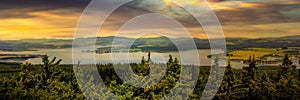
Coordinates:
[140,37]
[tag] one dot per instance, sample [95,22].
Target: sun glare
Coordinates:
[167,3]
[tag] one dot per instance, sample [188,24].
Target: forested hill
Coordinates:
[148,43]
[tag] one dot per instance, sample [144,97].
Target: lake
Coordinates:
[87,58]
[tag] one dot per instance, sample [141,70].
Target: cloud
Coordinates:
[232,14]
[45,24]
[22,8]
[58,18]
[39,18]
[263,14]
[262,30]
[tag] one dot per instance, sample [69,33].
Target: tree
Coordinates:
[267,89]
[229,78]
[149,57]
[226,86]
[48,67]
[287,81]
[249,80]
[287,68]
[170,61]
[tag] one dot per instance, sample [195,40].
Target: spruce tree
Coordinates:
[229,78]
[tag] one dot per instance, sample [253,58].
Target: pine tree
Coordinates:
[48,67]
[250,78]
[286,68]
[252,68]
[267,89]
[229,78]
[143,61]
[287,80]
[226,88]
[149,57]
[170,61]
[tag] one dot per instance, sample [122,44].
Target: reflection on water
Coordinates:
[66,56]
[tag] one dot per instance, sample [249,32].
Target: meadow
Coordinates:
[257,52]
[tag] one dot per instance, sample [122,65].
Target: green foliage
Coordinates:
[46,81]
[125,91]
[53,81]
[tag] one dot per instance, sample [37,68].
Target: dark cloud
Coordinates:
[269,11]
[43,4]
[139,7]
[22,8]
[266,13]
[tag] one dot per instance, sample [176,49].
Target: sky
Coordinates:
[22,19]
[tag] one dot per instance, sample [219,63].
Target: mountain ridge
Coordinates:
[232,42]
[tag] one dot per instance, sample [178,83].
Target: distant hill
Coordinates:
[155,43]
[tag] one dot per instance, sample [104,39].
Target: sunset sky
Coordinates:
[20,19]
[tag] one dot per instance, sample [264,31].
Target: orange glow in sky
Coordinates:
[253,19]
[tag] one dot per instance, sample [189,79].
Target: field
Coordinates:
[257,52]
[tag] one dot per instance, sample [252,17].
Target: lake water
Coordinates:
[87,58]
